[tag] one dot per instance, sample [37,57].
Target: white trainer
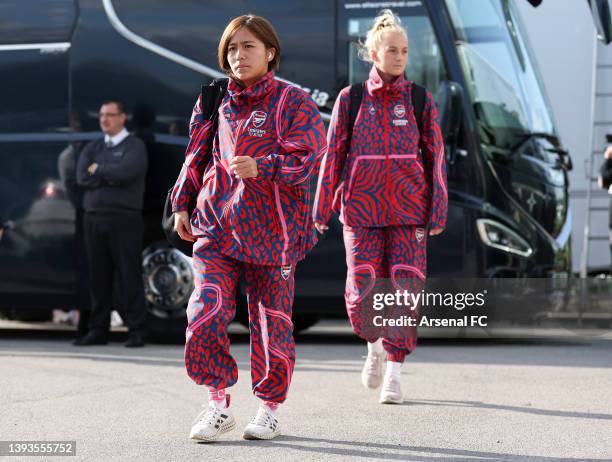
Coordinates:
[372,372]
[391,392]
[212,423]
[264,426]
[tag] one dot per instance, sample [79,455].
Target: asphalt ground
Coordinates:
[545,397]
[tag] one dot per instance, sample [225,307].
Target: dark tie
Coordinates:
[109,144]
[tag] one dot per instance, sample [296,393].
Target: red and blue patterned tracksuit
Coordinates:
[389,188]
[259,227]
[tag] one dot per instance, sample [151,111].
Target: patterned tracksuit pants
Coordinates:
[212,307]
[398,253]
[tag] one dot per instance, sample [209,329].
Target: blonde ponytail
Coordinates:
[385,21]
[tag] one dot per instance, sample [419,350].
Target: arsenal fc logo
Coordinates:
[286,272]
[420,234]
[399,110]
[259,118]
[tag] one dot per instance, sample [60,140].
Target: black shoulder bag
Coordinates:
[212,95]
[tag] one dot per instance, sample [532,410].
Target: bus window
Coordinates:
[36,21]
[36,248]
[34,42]
[503,81]
[425,63]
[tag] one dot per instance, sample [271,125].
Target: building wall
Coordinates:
[571,62]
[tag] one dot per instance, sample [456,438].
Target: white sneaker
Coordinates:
[391,392]
[264,426]
[212,423]
[372,372]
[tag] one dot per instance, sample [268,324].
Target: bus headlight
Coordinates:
[498,236]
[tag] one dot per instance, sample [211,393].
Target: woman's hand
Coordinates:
[435,231]
[321,228]
[243,167]
[182,226]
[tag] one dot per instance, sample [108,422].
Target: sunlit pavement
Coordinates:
[543,397]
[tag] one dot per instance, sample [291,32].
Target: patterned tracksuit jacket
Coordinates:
[258,227]
[389,186]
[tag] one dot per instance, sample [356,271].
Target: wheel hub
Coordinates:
[168,281]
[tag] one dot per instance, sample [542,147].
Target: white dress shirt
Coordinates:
[116,139]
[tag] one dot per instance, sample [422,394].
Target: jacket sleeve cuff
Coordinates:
[317,219]
[266,167]
[321,217]
[180,202]
[434,224]
[179,208]
[182,194]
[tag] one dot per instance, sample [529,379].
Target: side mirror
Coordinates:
[450,103]
[600,9]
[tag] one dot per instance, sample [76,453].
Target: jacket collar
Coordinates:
[375,83]
[253,93]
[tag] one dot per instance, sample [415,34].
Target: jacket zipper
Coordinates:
[385,206]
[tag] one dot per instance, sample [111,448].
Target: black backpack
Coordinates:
[356,93]
[212,95]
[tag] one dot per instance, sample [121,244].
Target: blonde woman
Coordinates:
[388,182]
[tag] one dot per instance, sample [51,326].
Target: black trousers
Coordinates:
[114,245]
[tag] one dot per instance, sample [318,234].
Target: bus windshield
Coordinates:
[503,81]
[425,63]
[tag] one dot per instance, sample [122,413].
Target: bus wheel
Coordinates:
[168,283]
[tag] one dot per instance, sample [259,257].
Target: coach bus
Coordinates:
[59,59]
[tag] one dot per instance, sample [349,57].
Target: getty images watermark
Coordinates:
[409,303]
[396,308]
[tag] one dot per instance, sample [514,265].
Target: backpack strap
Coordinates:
[418,104]
[356,95]
[222,84]
[212,96]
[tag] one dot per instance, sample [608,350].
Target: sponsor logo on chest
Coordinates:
[258,119]
[400,113]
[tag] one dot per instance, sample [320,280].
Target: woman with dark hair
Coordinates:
[252,218]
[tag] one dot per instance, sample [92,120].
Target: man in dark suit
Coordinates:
[112,170]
